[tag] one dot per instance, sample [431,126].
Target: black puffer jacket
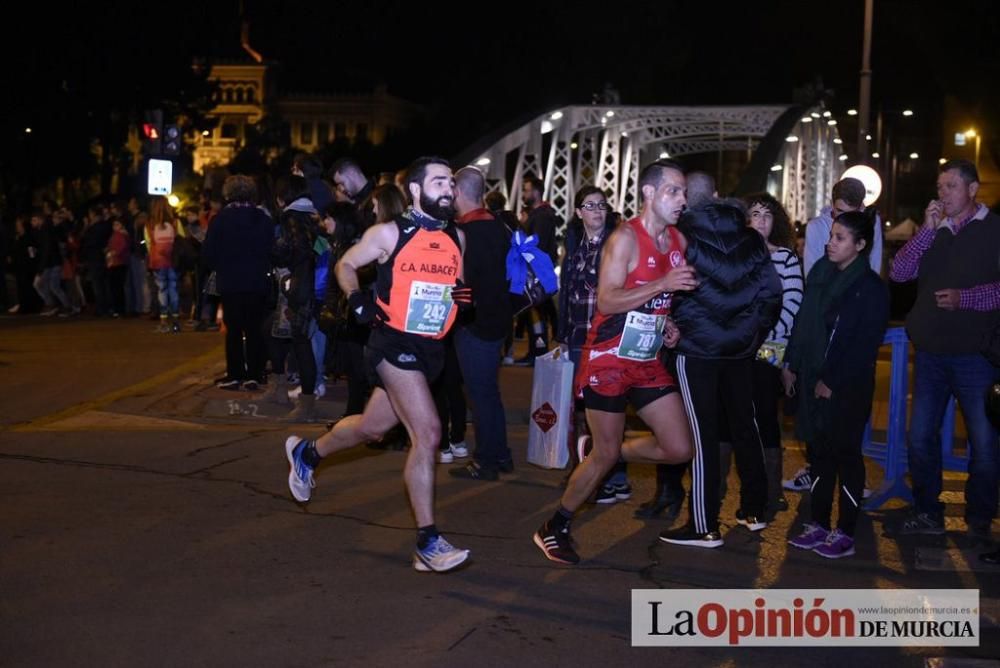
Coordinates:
[738,297]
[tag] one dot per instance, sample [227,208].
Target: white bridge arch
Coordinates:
[798,161]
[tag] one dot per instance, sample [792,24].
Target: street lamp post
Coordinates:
[864,96]
[971,133]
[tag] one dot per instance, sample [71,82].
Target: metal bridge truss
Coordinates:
[608,145]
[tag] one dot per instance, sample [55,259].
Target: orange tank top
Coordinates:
[414,285]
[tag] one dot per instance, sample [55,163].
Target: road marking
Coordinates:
[138,388]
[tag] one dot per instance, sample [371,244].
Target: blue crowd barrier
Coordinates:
[891,454]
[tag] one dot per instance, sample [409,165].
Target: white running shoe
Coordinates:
[300,474]
[439,556]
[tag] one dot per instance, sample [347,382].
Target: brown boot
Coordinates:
[304,411]
[277,390]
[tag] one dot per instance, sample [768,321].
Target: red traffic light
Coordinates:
[150,131]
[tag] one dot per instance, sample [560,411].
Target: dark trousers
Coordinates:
[305,360]
[358,389]
[449,398]
[840,422]
[277,350]
[97,274]
[27,296]
[243,315]
[767,391]
[480,362]
[117,277]
[704,383]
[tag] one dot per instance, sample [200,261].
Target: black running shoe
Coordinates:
[688,536]
[556,545]
[229,384]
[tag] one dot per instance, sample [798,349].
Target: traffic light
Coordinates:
[152,131]
[172,140]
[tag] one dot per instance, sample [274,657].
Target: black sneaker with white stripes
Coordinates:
[687,535]
[556,545]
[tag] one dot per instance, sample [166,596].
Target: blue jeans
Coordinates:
[967,377]
[480,364]
[166,284]
[48,283]
[318,341]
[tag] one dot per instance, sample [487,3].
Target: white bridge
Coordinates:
[794,152]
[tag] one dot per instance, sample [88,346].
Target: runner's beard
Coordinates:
[434,208]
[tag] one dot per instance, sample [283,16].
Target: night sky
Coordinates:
[483,72]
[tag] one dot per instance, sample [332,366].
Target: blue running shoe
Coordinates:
[439,556]
[300,474]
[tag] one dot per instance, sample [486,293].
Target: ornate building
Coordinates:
[249,90]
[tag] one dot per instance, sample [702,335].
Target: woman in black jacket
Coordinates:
[237,247]
[832,353]
[586,232]
[295,249]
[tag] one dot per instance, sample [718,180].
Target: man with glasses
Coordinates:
[642,265]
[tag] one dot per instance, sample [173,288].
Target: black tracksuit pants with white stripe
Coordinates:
[840,422]
[705,383]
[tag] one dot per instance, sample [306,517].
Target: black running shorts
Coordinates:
[409,352]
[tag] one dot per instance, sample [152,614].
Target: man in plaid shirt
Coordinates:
[955,256]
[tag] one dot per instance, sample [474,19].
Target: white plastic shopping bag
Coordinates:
[551,411]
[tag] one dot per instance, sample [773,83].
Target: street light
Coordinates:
[970,133]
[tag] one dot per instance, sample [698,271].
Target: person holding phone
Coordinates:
[954,256]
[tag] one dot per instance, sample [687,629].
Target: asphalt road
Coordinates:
[142,524]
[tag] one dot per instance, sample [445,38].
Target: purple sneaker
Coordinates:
[838,544]
[812,536]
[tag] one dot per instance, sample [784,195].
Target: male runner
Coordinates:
[417,288]
[643,263]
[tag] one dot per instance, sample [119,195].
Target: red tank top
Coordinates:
[637,334]
[414,285]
